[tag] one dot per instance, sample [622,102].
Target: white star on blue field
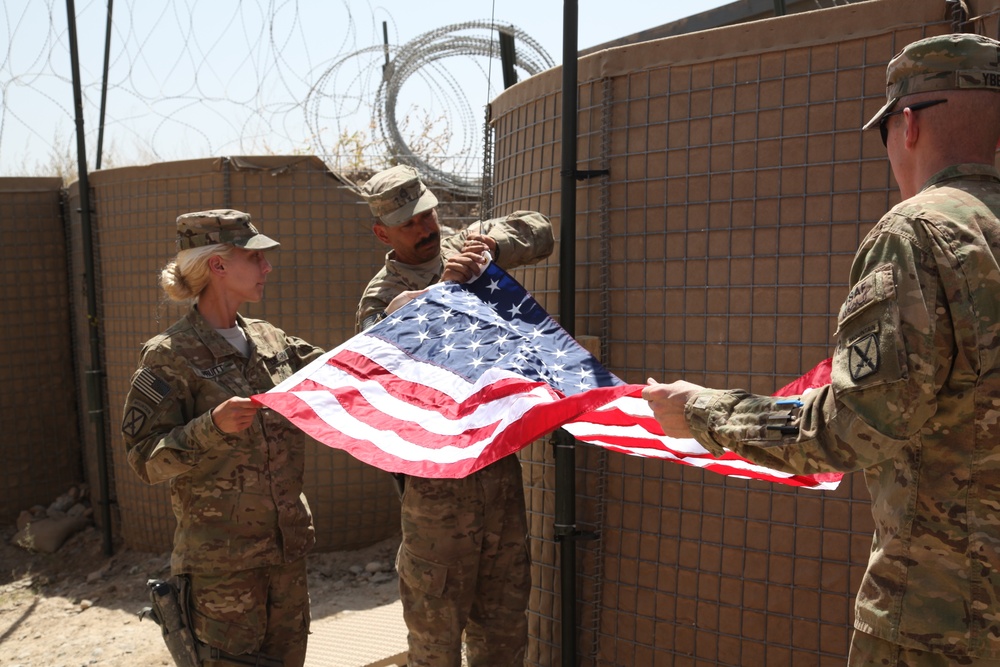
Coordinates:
[492,322]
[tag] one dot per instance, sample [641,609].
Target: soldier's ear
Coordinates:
[215,265]
[381,233]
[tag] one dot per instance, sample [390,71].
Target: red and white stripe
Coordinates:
[400,414]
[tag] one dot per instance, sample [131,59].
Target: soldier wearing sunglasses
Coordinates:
[914,398]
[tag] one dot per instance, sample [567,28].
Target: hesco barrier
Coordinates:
[716,250]
[327,255]
[38,431]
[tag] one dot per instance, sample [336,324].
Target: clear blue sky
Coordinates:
[234,76]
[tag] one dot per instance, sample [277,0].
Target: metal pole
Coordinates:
[507,58]
[385,44]
[565,444]
[95,373]
[104,87]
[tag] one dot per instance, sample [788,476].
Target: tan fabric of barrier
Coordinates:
[38,432]
[716,250]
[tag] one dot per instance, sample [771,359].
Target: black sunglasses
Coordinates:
[884,129]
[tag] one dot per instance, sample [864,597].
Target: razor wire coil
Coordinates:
[422,58]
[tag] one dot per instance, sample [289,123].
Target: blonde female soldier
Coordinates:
[234,469]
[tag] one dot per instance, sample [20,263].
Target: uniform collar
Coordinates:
[969,170]
[415,274]
[212,339]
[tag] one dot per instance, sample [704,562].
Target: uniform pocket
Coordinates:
[226,635]
[422,574]
[870,349]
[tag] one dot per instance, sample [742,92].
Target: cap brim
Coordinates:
[425,202]
[257,242]
[881,112]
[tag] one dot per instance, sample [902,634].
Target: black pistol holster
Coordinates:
[170,611]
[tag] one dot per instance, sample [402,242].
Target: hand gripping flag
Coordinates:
[466,374]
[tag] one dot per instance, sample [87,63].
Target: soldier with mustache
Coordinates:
[463,564]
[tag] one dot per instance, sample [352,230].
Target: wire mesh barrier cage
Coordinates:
[716,249]
[40,449]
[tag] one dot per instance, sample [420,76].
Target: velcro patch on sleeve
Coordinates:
[150,385]
[134,419]
[869,348]
[863,352]
[878,285]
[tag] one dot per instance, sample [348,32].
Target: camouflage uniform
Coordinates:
[523,237]
[463,563]
[914,402]
[241,514]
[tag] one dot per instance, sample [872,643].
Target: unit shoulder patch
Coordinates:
[870,347]
[864,356]
[135,419]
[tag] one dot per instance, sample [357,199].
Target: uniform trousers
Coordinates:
[464,565]
[263,610]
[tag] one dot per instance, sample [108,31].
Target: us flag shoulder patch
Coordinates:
[151,386]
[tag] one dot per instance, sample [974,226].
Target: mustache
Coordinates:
[433,239]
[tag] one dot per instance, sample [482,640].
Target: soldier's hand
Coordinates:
[667,402]
[235,414]
[479,242]
[402,299]
[464,266]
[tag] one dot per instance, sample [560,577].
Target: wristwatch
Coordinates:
[373,319]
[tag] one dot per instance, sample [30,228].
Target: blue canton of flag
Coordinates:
[493,323]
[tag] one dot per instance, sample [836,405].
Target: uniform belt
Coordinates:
[206,652]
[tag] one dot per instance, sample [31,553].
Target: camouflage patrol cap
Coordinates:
[960,61]
[221,225]
[397,194]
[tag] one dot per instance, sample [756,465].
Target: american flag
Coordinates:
[466,374]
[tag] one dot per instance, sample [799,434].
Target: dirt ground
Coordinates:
[78,607]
